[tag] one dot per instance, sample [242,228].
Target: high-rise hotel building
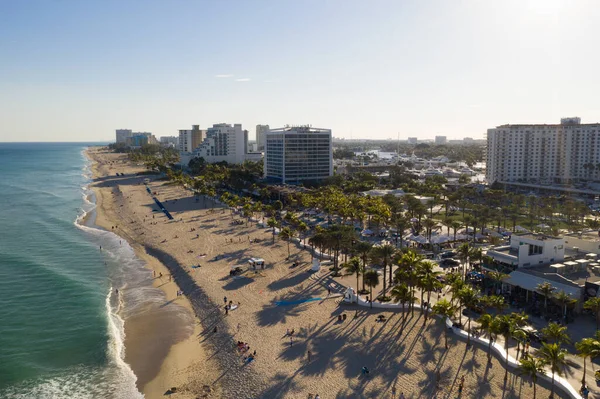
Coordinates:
[298,153]
[544,154]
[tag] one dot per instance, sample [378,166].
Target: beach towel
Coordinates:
[233,307]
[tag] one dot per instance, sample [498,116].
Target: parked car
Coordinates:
[449,262]
[447,254]
[533,334]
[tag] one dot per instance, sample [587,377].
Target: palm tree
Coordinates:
[410,261]
[273,223]
[556,333]
[593,304]
[401,223]
[428,281]
[505,325]
[496,277]
[564,300]
[455,226]
[302,228]
[468,298]
[489,325]
[287,233]
[354,267]
[429,225]
[464,251]
[401,293]
[587,347]
[363,249]
[519,335]
[531,367]
[496,302]
[384,255]
[371,279]
[546,289]
[445,309]
[554,356]
[318,240]
[456,284]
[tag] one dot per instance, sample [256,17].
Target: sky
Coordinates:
[73,70]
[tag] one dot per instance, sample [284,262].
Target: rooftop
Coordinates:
[537,236]
[574,279]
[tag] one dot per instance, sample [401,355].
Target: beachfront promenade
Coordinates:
[406,358]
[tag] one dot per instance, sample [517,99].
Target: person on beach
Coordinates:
[394,392]
[308,355]
[401,396]
[291,340]
[226,310]
[225,300]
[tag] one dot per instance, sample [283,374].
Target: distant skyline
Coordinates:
[77,70]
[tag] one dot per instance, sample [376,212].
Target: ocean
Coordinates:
[61,317]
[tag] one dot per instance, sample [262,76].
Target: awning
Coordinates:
[530,282]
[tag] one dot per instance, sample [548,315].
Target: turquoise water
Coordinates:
[61,330]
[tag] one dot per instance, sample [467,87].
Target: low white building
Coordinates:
[380,193]
[223,143]
[169,141]
[528,250]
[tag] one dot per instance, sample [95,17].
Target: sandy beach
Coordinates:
[198,249]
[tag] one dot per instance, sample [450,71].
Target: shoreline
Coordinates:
[171,355]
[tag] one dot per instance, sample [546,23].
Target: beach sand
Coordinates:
[408,358]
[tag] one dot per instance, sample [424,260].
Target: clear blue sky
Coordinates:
[73,70]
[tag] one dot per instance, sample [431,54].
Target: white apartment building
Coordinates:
[294,154]
[440,140]
[223,142]
[261,130]
[530,249]
[189,140]
[123,135]
[170,140]
[544,154]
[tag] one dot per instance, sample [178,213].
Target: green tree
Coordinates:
[384,254]
[371,279]
[587,347]
[564,300]
[489,325]
[554,356]
[363,249]
[401,293]
[273,223]
[445,309]
[546,289]
[593,304]
[354,267]
[469,299]
[505,325]
[556,333]
[531,367]
[287,233]
[496,278]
